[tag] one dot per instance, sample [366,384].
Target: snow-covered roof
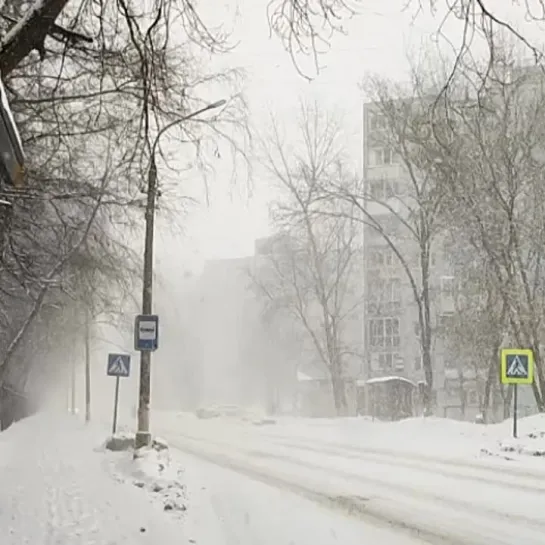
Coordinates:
[311,372]
[379,380]
[301,377]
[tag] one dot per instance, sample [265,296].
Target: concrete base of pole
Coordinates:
[142,439]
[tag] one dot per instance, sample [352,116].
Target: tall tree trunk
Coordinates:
[425,318]
[462,390]
[538,385]
[493,366]
[428,375]
[339,391]
[491,376]
[73,386]
[87,366]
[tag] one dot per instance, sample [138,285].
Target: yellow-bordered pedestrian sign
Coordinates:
[517,366]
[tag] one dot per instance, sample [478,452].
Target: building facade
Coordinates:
[392,330]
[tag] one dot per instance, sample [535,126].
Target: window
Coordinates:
[445,322]
[387,361]
[394,287]
[382,190]
[382,156]
[382,257]
[384,333]
[472,397]
[450,362]
[377,121]
[447,295]
[447,286]
[452,386]
[418,363]
[385,290]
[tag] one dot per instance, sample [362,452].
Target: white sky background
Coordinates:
[378,41]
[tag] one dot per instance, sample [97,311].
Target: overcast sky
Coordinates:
[380,40]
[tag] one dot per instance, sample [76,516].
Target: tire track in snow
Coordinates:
[402,514]
[354,506]
[420,457]
[405,489]
[458,470]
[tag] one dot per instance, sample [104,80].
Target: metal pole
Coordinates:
[515,410]
[73,386]
[116,403]
[87,367]
[143,435]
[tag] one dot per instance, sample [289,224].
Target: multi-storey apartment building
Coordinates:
[390,313]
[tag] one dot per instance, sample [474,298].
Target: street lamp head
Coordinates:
[218,104]
[5,203]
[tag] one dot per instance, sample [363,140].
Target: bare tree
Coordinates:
[404,213]
[497,185]
[472,335]
[90,103]
[311,270]
[304,28]
[307,276]
[483,150]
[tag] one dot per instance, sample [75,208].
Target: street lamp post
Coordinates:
[143,435]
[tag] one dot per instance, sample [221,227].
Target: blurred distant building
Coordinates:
[314,390]
[240,359]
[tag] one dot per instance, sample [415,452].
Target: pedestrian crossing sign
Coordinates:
[119,365]
[517,366]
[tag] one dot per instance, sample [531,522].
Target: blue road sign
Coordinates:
[146,333]
[119,365]
[517,366]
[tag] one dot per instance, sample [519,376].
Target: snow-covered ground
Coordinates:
[423,437]
[57,489]
[61,487]
[434,479]
[233,481]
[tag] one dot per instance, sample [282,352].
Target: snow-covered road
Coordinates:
[227,508]
[428,498]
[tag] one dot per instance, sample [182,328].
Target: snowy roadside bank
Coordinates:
[425,437]
[56,488]
[151,470]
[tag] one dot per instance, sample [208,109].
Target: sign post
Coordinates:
[119,365]
[517,367]
[116,405]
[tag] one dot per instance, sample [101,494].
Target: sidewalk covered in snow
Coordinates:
[57,489]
